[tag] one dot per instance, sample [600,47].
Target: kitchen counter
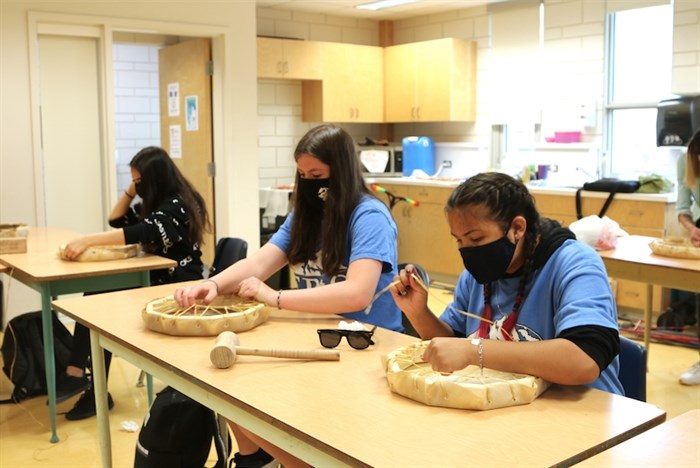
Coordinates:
[534,188]
[424,224]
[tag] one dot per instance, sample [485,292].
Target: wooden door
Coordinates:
[400,82]
[185,118]
[368,83]
[434,81]
[337,95]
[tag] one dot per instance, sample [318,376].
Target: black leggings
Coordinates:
[80,354]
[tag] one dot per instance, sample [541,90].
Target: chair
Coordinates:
[423,275]
[228,251]
[633,368]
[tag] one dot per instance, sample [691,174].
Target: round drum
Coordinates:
[224,313]
[677,247]
[101,253]
[467,388]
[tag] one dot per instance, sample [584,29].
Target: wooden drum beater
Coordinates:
[226,347]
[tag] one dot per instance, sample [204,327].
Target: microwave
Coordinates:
[381,161]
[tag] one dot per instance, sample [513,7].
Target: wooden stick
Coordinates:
[313,354]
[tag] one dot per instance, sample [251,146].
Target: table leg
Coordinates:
[149,388]
[146,282]
[47,332]
[99,381]
[647,317]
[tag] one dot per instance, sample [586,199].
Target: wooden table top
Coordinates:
[41,262]
[345,408]
[675,443]
[633,259]
[636,249]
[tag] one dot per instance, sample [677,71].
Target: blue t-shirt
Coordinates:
[372,234]
[571,289]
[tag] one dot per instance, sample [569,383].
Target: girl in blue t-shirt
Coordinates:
[539,301]
[341,242]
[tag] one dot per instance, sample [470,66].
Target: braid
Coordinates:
[529,247]
[488,313]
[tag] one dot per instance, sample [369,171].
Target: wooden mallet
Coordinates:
[226,347]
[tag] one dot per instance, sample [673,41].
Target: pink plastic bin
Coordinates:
[567,137]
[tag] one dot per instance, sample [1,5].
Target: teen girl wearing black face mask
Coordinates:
[544,300]
[169,218]
[340,241]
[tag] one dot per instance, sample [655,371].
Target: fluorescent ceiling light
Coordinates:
[383,4]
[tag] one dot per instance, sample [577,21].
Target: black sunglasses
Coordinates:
[358,339]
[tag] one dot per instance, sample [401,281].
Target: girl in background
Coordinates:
[341,243]
[688,210]
[169,220]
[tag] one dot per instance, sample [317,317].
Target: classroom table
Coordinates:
[41,269]
[337,413]
[673,443]
[632,259]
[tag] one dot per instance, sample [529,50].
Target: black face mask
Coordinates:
[139,189]
[313,192]
[488,262]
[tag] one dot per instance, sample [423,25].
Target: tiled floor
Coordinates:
[24,428]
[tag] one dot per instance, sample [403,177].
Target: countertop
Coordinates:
[534,188]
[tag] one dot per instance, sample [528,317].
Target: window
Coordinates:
[639,44]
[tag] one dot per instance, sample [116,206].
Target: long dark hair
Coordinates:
[692,166]
[505,198]
[333,146]
[161,179]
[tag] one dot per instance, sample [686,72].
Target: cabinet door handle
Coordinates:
[286,66]
[279,68]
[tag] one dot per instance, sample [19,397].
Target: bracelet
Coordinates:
[279,296]
[479,342]
[127,194]
[215,284]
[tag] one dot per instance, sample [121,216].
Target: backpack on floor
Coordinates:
[23,354]
[178,432]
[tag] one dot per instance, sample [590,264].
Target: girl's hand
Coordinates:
[206,290]
[695,237]
[131,190]
[449,354]
[74,248]
[409,296]
[253,288]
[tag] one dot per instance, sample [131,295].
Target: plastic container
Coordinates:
[567,137]
[418,153]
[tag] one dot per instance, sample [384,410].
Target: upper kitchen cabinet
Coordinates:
[289,59]
[431,81]
[352,86]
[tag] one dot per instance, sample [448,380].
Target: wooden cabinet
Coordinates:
[430,81]
[289,59]
[352,85]
[424,235]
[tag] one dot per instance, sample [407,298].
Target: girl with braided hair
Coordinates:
[539,302]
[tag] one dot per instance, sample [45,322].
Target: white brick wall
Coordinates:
[136,104]
[686,47]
